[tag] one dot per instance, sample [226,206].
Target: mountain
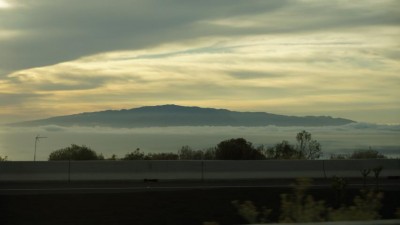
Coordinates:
[174,115]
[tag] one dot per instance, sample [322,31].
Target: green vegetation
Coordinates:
[75,152]
[360,154]
[138,155]
[307,147]
[135,155]
[283,150]
[339,185]
[299,206]
[237,149]
[365,206]
[187,153]
[251,213]
[231,149]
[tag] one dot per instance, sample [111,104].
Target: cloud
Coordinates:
[292,57]
[9,99]
[57,31]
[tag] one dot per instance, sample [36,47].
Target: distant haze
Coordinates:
[18,142]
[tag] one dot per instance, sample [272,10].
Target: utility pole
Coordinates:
[36,140]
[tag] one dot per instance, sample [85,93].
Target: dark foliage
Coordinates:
[237,149]
[360,154]
[187,153]
[163,156]
[307,147]
[135,155]
[367,154]
[138,155]
[283,150]
[75,152]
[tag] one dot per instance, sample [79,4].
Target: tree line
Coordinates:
[232,149]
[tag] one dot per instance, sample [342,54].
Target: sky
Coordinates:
[295,57]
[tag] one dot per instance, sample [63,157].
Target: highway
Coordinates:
[170,202]
[22,188]
[149,175]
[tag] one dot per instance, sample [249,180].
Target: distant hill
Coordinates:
[174,115]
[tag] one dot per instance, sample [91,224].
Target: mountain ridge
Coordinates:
[175,115]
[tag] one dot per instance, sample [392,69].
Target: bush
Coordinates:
[75,152]
[138,155]
[299,206]
[367,154]
[283,150]
[237,149]
[360,154]
[186,153]
[162,156]
[135,155]
[366,206]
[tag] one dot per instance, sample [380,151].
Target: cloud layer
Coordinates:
[293,57]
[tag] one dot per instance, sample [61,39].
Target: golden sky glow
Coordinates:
[4,4]
[332,58]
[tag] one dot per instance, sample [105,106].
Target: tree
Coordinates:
[187,153]
[366,154]
[283,150]
[163,156]
[113,157]
[360,154]
[307,147]
[209,153]
[135,155]
[377,171]
[75,152]
[237,149]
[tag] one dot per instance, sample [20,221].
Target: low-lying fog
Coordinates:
[18,143]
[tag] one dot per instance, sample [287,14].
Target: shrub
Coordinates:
[75,152]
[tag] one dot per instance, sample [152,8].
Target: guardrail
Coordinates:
[190,170]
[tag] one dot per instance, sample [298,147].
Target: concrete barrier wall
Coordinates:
[135,170]
[263,169]
[34,171]
[189,170]
[353,168]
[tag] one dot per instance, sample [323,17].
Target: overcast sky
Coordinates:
[295,57]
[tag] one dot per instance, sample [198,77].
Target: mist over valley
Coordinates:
[18,142]
[167,128]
